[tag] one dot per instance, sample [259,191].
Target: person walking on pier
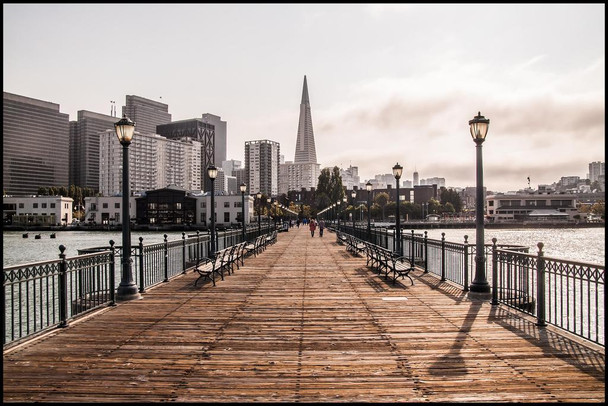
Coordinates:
[321,227]
[312,226]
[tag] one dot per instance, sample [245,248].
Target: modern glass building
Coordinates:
[35,147]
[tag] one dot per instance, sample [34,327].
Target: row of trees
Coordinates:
[331,190]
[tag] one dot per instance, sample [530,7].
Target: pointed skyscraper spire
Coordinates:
[305,144]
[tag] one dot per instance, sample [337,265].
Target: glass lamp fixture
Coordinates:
[479,128]
[125,128]
[397,171]
[212,171]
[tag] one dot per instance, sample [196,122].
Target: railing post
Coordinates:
[540,286]
[63,289]
[166,260]
[142,284]
[494,273]
[112,281]
[412,248]
[184,252]
[426,253]
[198,243]
[466,263]
[442,256]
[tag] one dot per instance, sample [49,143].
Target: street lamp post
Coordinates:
[353,194]
[397,171]
[127,290]
[479,129]
[369,186]
[243,187]
[212,172]
[259,196]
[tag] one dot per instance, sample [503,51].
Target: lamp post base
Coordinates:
[127,292]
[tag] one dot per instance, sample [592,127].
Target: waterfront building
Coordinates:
[84,148]
[228,210]
[155,162]
[416,178]
[304,170]
[167,206]
[106,210]
[37,210]
[146,113]
[531,207]
[221,138]
[35,147]
[198,130]
[262,166]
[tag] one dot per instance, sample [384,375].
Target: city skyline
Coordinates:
[388,83]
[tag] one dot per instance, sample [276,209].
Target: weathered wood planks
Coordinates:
[304,321]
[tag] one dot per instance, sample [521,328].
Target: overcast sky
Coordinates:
[388,83]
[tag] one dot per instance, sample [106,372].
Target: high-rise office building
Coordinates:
[596,170]
[304,171]
[36,143]
[305,143]
[84,147]
[220,141]
[197,130]
[262,167]
[146,113]
[416,179]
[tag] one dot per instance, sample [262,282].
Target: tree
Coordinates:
[452,197]
[381,200]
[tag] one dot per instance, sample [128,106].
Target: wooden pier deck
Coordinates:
[305,321]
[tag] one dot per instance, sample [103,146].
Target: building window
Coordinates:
[152,206]
[117,205]
[21,205]
[178,206]
[35,205]
[227,217]
[227,205]
[52,205]
[105,205]
[44,205]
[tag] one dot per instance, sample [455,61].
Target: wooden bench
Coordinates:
[341,238]
[221,261]
[355,245]
[255,246]
[388,263]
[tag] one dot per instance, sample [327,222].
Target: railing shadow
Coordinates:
[553,343]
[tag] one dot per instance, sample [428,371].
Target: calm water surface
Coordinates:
[577,244]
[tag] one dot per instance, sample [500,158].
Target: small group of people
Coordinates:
[313,224]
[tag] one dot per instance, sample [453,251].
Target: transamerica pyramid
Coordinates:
[305,144]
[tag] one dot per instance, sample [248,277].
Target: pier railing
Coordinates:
[566,294]
[43,295]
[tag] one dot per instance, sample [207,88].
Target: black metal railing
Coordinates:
[567,294]
[570,295]
[48,294]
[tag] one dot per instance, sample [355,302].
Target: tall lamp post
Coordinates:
[243,187]
[353,194]
[397,171]
[127,290]
[259,196]
[212,172]
[479,129]
[369,186]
